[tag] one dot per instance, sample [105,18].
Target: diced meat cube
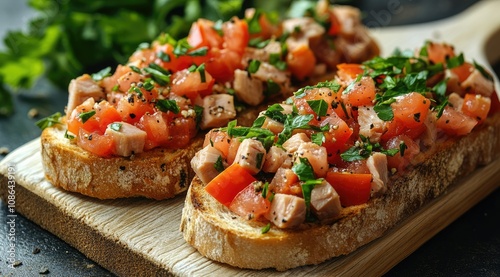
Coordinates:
[287,211]
[262,54]
[218,110]
[82,88]
[456,101]
[273,125]
[251,155]
[247,88]
[303,28]
[203,163]
[316,155]
[477,82]
[128,139]
[325,201]
[275,157]
[377,164]
[267,72]
[293,143]
[370,125]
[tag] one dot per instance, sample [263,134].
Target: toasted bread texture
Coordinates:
[221,235]
[159,173]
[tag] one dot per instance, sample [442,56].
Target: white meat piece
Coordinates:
[275,157]
[218,110]
[456,101]
[370,125]
[267,71]
[293,143]
[377,164]
[262,54]
[80,89]
[287,210]
[303,28]
[251,155]
[203,163]
[478,83]
[128,139]
[316,155]
[325,201]
[247,88]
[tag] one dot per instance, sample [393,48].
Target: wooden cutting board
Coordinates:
[138,237]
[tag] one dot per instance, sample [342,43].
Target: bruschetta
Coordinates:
[132,132]
[339,163]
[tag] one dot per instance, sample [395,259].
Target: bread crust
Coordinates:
[221,235]
[158,173]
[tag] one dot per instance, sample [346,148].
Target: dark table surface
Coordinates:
[470,246]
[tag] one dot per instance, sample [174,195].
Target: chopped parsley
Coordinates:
[116,126]
[320,107]
[101,74]
[86,116]
[253,66]
[266,228]
[49,121]
[165,105]
[219,166]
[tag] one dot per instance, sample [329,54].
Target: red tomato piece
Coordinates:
[96,143]
[250,204]
[181,130]
[454,122]
[301,61]
[222,63]
[337,135]
[463,71]
[362,93]
[476,106]
[397,161]
[75,120]
[286,181]
[225,186]
[349,71]
[191,84]
[353,189]
[106,114]
[411,110]
[236,35]
[156,129]
[335,25]
[439,52]
[131,109]
[202,33]
[219,139]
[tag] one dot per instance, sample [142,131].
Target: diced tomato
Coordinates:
[181,130]
[476,106]
[267,29]
[236,35]
[396,127]
[412,109]
[219,139]
[75,122]
[352,188]
[110,82]
[143,57]
[285,181]
[411,150]
[250,204]
[454,122]
[225,186]
[106,114]
[463,71]
[168,60]
[202,33]
[439,52]
[191,85]
[336,136]
[96,143]
[124,82]
[301,61]
[156,129]
[316,94]
[222,63]
[131,109]
[349,71]
[335,25]
[362,93]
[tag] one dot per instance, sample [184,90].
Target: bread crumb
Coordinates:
[32,113]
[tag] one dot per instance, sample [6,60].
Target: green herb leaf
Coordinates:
[253,23]
[272,88]
[402,148]
[116,126]
[68,136]
[384,112]
[218,164]
[135,69]
[86,115]
[265,190]
[49,121]
[266,228]
[259,158]
[258,42]
[202,51]
[318,138]
[198,110]
[165,105]
[483,71]
[259,122]
[304,170]
[163,56]
[275,60]
[103,73]
[253,66]
[320,107]
[455,61]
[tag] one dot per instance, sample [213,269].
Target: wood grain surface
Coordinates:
[140,237]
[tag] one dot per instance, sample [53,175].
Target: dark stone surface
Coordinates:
[470,246]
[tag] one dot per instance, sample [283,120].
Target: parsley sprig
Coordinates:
[364,149]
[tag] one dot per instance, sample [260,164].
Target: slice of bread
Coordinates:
[159,173]
[221,235]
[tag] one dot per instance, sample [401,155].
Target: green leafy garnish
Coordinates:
[266,228]
[275,59]
[364,149]
[318,138]
[253,23]
[304,170]
[68,136]
[265,136]
[218,164]
[86,115]
[293,122]
[272,88]
[483,71]
[253,66]
[103,73]
[455,61]
[318,106]
[49,121]
[202,51]
[116,126]
[165,105]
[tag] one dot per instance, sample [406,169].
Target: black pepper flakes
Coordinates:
[122,167]
[163,167]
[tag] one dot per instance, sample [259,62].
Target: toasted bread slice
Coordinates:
[159,173]
[221,235]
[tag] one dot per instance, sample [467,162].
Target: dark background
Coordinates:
[470,246]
